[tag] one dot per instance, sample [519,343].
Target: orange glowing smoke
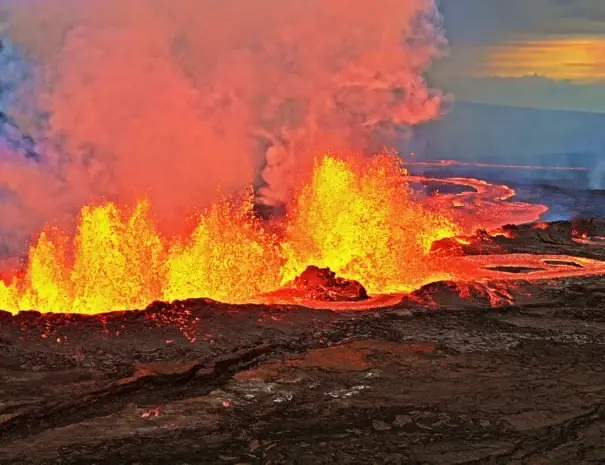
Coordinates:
[355,217]
[141,96]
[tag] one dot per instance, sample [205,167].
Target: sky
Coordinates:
[536,53]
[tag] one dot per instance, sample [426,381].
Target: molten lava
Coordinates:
[486,206]
[358,218]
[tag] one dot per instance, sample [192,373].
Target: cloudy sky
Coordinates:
[537,53]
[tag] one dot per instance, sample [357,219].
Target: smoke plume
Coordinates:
[180,101]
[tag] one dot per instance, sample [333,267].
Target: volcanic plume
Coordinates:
[181,102]
[356,216]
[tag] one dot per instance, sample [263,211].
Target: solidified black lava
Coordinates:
[563,263]
[513,269]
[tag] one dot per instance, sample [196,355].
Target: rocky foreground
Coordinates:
[199,382]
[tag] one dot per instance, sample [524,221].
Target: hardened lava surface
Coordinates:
[443,377]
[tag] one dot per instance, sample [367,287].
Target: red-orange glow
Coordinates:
[483,274]
[229,257]
[486,206]
[359,220]
[167,100]
[462,241]
[355,217]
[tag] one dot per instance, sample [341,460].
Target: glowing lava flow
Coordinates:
[487,206]
[499,271]
[356,217]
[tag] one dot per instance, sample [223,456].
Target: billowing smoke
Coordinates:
[596,177]
[177,101]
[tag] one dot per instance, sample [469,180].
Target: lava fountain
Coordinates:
[135,104]
[356,216]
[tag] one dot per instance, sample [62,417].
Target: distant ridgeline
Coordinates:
[492,133]
[13,71]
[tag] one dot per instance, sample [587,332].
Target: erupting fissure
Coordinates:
[355,216]
[127,100]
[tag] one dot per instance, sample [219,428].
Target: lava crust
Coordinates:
[440,377]
[323,284]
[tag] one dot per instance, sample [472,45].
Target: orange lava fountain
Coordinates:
[360,220]
[357,217]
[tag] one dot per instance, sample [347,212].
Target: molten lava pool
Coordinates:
[357,216]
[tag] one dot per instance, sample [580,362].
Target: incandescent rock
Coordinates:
[479,243]
[323,284]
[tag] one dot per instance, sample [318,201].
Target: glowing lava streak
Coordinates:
[444,163]
[356,217]
[487,206]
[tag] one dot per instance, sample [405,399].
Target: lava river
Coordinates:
[358,216]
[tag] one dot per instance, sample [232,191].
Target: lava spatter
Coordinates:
[355,216]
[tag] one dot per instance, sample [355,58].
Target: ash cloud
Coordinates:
[180,101]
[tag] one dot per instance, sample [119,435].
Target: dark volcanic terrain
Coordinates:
[441,378]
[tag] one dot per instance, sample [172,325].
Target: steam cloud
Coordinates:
[175,101]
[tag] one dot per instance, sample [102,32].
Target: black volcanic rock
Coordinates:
[278,383]
[323,284]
